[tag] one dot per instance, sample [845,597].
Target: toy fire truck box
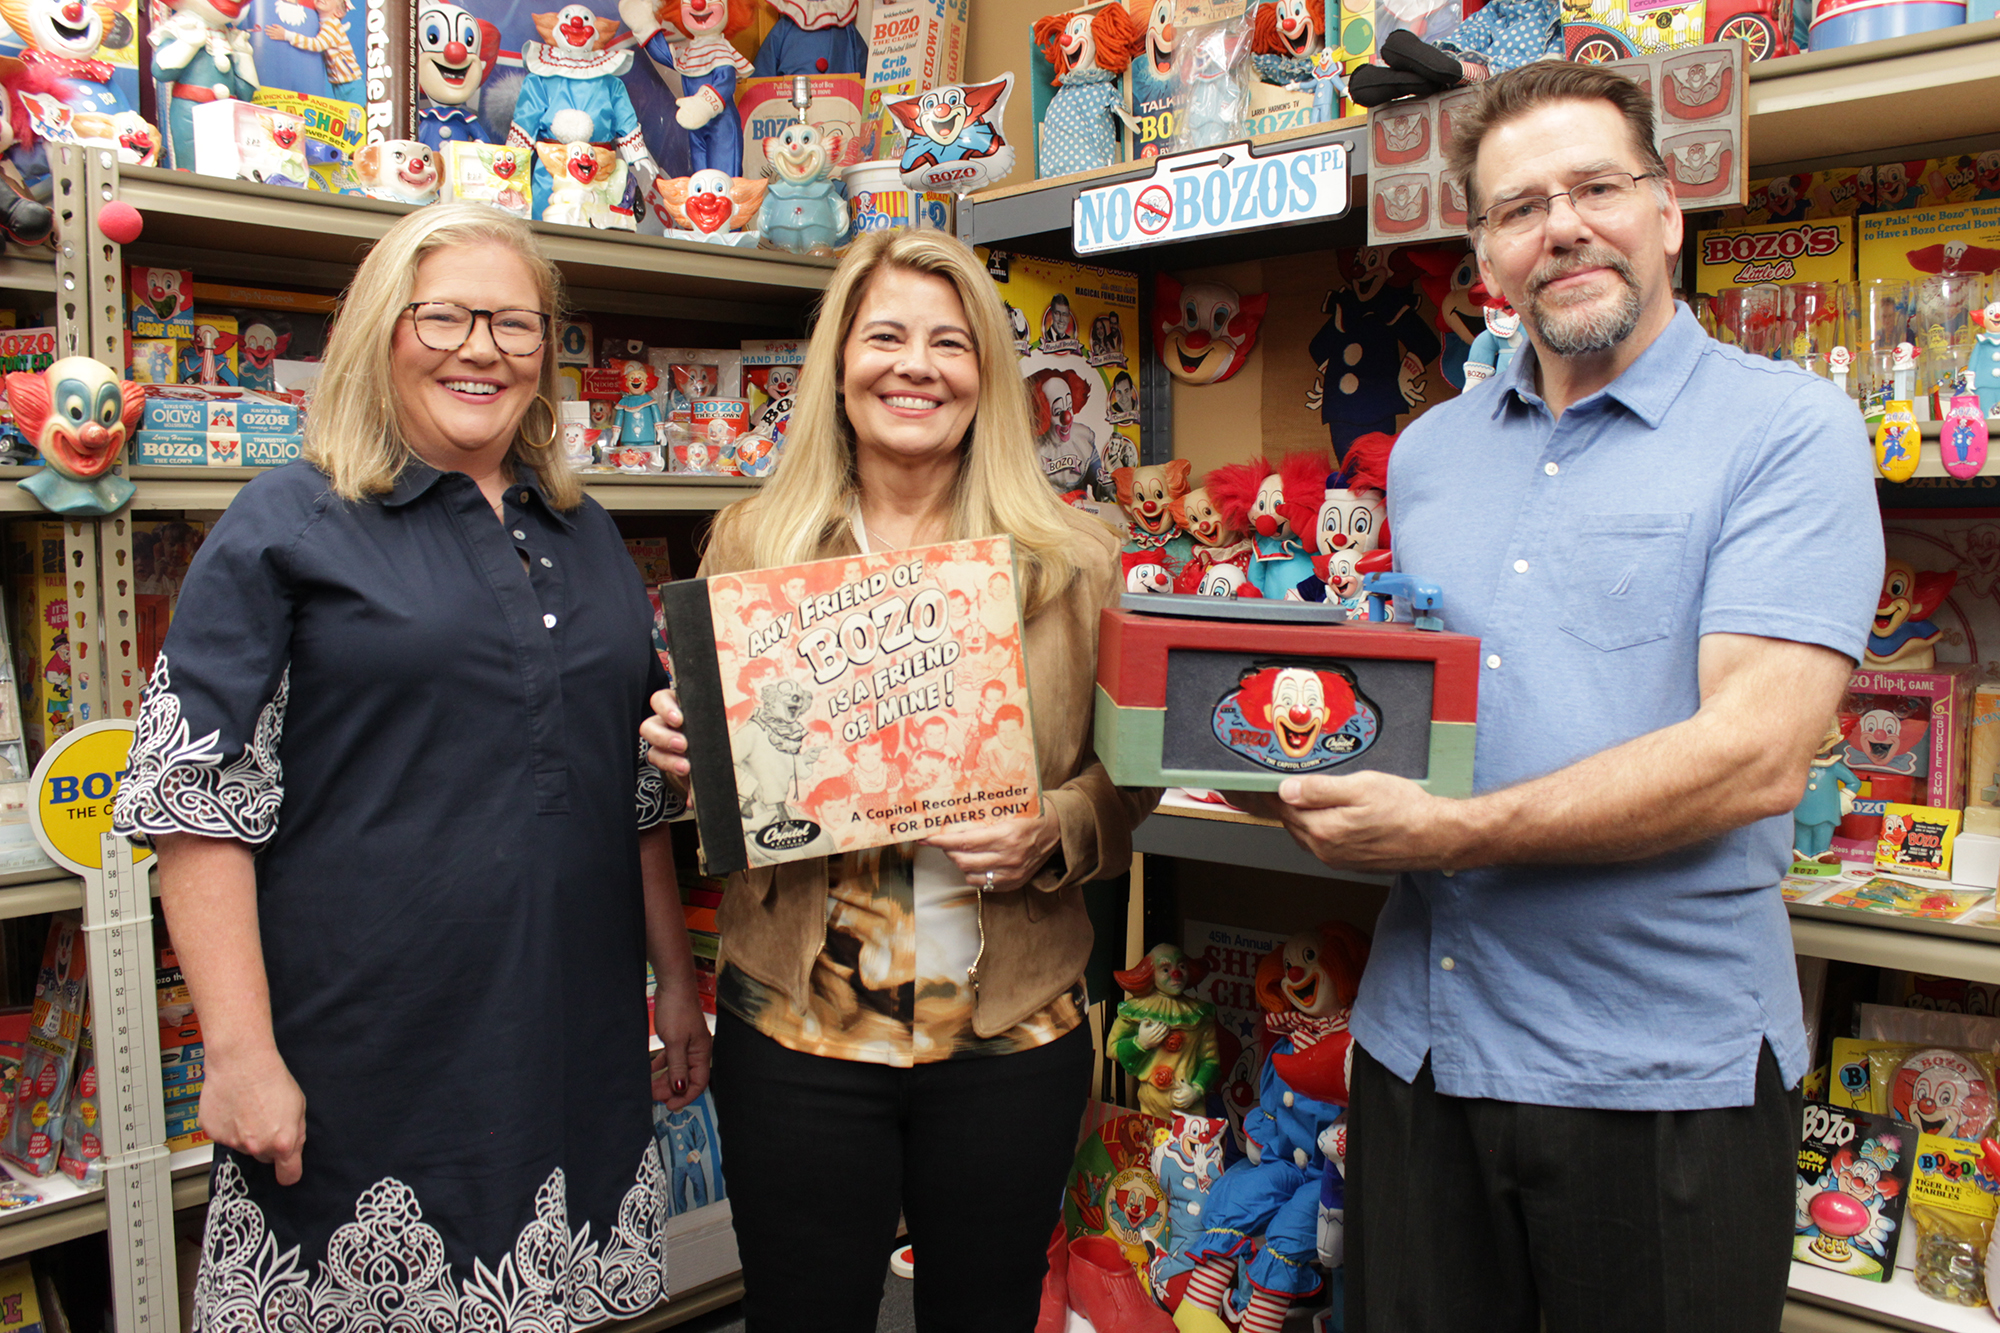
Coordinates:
[1905,733]
[161,302]
[1919,243]
[1241,705]
[41,631]
[1816,251]
[831,705]
[912,45]
[48,1066]
[766,108]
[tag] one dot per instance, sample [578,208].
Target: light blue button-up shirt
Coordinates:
[1702,492]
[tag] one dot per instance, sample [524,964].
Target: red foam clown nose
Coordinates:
[1267,526]
[455,52]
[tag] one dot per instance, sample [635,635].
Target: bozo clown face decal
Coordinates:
[1297,718]
[1944,1092]
[1204,331]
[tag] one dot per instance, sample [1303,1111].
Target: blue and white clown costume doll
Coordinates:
[573,95]
[813,37]
[1284,34]
[1089,52]
[691,38]
[455,53]
[200,55]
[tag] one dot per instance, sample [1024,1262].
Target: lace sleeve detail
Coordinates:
[179,783]
[657,802]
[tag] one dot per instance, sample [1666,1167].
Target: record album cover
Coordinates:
[854,702]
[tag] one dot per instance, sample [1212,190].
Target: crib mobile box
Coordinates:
[1232,705]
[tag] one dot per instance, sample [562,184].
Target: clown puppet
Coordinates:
[1276,506]
[1151,73]
[690,38]
[813,37]
[200,55]
[1079,127]
[573,96]
[1306,988]
[1353,522]
[1147,494]
[1212,540]
[1204,331]
[456,53]
[1284,37]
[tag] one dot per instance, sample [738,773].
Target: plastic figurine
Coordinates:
[262,345]
[1275,505]
[77,413]
[805,209]
[1352,522]
[1903,634]
[1204,331]
[1209,61]
[1495,349]
[1212,540]
[710,203]
[1831,787]
[1963,439]
[205,357]
[1285,35]
[1089,51]
[63,37]
[1187,1161]
[1903,373]
[1985,365]
[1839,361]
[691,38]
[1897,440]
[401,170]
[813,37]
[1306,987]
[456,52]
[638,413]
[199,55]
[953,136]
[1147,494]
[1326,80]
[1163,1036]
[573,96]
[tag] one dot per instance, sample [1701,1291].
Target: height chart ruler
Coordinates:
[74,787]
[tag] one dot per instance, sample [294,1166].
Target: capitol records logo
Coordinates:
[786,835]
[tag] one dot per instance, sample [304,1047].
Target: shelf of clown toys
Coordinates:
[1820,106]
[61,1209]
[1823,1301]
[229,227]
[199,488]
[1185,827]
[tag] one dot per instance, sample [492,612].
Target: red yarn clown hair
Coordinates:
[1264,39]
[1038,406]
[652,375]
[1303,475]
[1254,696]
[1137,980]
[1343,951]
[1234,489]
[1117,38]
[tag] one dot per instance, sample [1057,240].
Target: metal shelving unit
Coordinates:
[217,488]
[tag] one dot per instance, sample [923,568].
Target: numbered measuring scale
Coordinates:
[74,787]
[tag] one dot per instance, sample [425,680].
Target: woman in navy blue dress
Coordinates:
[412,860]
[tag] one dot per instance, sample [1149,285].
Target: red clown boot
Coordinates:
[1055,1286]
[1104,1289]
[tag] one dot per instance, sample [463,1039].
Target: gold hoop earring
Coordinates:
[555,423]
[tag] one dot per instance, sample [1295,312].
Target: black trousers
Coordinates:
[821,1154]
[1467,1214]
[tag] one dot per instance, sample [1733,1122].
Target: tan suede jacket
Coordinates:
[773,919]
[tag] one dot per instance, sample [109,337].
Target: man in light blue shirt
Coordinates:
[1575,1093]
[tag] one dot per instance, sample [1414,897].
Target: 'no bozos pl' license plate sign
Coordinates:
[1209,193]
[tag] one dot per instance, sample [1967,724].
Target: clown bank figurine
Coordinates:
[1903,633]
[455,56]
[1831,787]
[1306,987]
[200,55]
[638,413]
[1163,1036]
[573,99]
[691,38]
[78,413]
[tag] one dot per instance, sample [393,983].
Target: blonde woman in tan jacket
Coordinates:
[861,1070]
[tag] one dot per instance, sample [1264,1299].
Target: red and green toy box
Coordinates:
[1236,705]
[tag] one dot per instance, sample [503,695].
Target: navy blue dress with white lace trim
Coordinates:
[434,752]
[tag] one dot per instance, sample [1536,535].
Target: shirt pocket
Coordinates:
[1622,586]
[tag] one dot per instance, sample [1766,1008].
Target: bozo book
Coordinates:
[854,702]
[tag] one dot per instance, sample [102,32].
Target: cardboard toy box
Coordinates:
[1821,250]
[765,106]
[1982,760]
[161,302]
[912,45]
[40,607]
[1905,734]
[1915,244]
[1186,702]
